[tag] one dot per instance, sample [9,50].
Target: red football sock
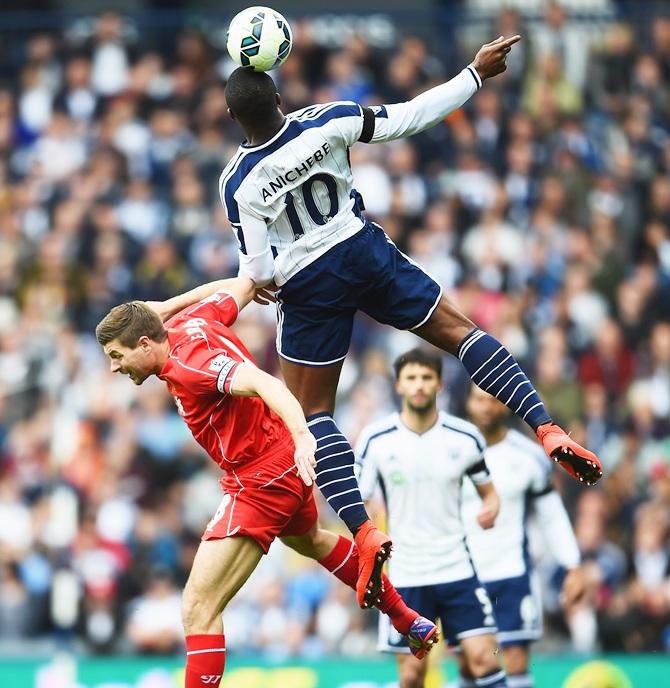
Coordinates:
[205,659]
[342,562]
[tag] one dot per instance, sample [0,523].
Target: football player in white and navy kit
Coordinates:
[522,475]
[289,196]
[418,459]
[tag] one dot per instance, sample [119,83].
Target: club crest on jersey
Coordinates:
[292,175]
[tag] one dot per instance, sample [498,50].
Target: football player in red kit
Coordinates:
[253,427]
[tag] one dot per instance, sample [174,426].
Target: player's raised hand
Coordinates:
[492,57]
[305,448]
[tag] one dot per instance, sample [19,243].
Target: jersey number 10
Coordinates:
[315,213]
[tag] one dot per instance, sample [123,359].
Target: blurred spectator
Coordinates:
[610,363]
[566,41]
[154,620]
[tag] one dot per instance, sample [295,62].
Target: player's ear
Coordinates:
[144,343]
[278,99]
[231,114]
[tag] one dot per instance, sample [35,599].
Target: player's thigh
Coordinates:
[220,568]
[480,653]
[315,312]
[398,291]
[317,543]
[314,387]
[516,657]
[411,671]
[447,326]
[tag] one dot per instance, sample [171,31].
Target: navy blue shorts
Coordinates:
[366,272]
[517,608]
[462,606]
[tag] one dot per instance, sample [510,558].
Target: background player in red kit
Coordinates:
[253,427]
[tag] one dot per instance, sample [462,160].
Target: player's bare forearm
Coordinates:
[490,507]
[251,381]
[242,289]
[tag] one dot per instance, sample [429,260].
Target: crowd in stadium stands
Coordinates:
[543,207]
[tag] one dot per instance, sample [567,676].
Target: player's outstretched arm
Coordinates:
[490,507]
[390,122]
[249,381]
[242,289]
[557,532]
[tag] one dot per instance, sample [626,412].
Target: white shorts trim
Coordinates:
[430,312]
[521,636]
[485,630]
[310,363]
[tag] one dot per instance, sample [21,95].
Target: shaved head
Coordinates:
[251,97]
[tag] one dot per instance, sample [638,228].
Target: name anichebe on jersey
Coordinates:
[292,175]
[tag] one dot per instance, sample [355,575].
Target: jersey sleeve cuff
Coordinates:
[475,75]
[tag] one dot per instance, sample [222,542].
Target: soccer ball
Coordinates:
[259,38]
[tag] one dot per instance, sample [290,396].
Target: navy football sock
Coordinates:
[335,471]
[495,680]
[495,370]
[464,682]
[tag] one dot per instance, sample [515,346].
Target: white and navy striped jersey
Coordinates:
[420,480]
[292,198]
[521,472]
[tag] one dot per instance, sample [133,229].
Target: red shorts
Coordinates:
[263,501]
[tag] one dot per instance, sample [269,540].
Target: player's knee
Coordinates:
[482,659]
[198,613]
[447,327]
[516,659]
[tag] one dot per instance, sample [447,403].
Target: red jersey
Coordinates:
[204,357]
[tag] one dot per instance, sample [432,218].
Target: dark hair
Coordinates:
[420,356]
[128,322]
[251,96]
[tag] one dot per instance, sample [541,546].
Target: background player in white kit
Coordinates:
[418,459]
[522,475]
[289,195]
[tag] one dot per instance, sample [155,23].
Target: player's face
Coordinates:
[485,411]
[418,385]
[137,363]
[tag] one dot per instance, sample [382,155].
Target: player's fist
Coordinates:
[305,448]
[574,587]
[487,517]
[492,57]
